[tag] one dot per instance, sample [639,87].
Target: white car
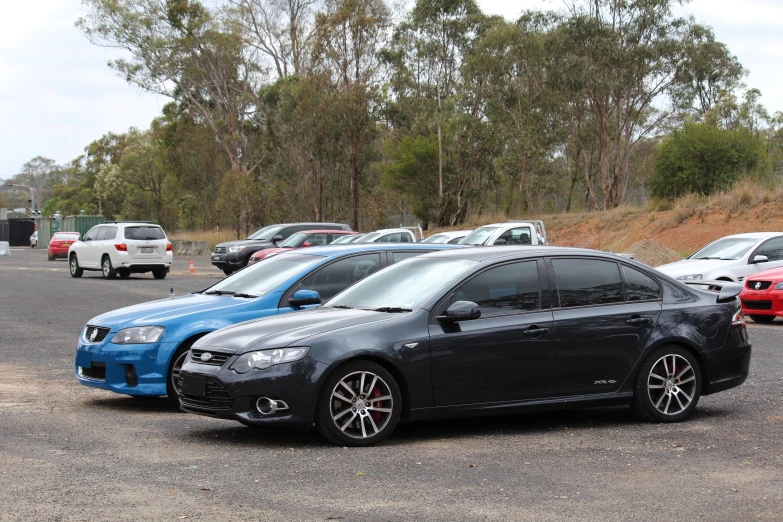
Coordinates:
[122,248]
[388,235]
[730,258]
[508,233]
[452,237]
[34,240]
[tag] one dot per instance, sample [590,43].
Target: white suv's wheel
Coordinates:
[107,268]
[73,265]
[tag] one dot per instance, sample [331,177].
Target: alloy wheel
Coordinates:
[671,384]
[175,369]
[106,268]
[361,405]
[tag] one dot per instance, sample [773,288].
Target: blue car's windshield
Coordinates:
[264,276]
[406,284]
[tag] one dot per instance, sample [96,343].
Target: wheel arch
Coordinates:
[690,348]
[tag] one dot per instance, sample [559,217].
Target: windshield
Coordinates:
[66,236]
[437,238]
[478,236]
[266,233]
[294,241]
[144,233]
[406,284]
[263,277]
[369,238]
[726,249]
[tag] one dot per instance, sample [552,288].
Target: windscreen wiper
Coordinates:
[247,296]
[392,309]
[219,292]
[344,307]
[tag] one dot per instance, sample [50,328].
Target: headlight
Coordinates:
[138,335]
[266,358]
[779,286]
[690,277]
[236,249]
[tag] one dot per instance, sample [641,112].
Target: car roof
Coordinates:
[385,230]
[450,233]
[755,235]
[327,231]
[487,253]
[351,248]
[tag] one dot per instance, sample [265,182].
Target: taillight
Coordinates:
[121,247]
[738,320]
[168,247]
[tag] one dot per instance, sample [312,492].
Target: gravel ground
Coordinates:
[68,452]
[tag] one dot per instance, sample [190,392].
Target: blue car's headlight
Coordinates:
[266,358]
[138,335]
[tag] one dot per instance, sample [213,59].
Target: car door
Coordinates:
[505,355]
[773,249]
[87,252]
[604,315]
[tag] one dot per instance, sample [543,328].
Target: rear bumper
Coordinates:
[727,368]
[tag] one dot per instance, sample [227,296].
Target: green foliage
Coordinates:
[703,159]
[411,168]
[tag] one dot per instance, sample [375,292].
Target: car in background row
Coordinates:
[515,232]
[762,295]
[730,258]
[472,332]
[453,237]
[34,240]
[348,239]
[122,248]
[389,235]
[303,239]
[234,255]
[60,244]
[138,350]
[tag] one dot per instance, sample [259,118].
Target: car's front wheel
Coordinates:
[668,385]
[73,265]
[107,268]
[359,405]
[762,318]
[172,385]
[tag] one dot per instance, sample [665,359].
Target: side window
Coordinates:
[773,249]
[455,241]
[503,290]
[336,277]
[639,287]
[111,233]
[287,231]
[90,235]
[405,238]
[517,236]
[102,231]
[399,256]
[584,282]
[317,239]
[390,238]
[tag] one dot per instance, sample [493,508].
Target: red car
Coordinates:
[58,245]
[302,239]
[762,295]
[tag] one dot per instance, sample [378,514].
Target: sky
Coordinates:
[57,93]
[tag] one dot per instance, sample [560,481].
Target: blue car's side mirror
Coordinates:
[305,297]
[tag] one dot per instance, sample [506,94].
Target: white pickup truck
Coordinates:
[516,232]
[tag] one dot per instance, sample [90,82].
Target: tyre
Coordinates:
[107,269]
[51,258]
[73,265]
[359,405]
[228,271]
[762,318]
[124,274]
[668,385]
[172,386]
[159,274]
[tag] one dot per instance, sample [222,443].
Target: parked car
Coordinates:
[389,235]
[762,295]
[730,258]
[303,239]
[344,240]
[122,248]
[452,237]
[60,243]
[518,232]
[233,255]
[138,350]
[476,332]
[34,240]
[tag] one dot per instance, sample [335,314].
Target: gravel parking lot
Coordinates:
[68,452]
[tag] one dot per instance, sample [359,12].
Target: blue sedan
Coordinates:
[139,350]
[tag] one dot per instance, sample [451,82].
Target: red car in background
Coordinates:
[302,239]
[762,295]
[58,245]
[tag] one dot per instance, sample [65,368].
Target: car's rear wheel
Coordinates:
[107,269]
[762,318]
[359,405]
[73,265]
[51,257]
[159,274]
[668,385]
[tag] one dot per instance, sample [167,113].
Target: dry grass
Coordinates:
[210,236]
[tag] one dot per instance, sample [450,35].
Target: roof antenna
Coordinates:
[171,293]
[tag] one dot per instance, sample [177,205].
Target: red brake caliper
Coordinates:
[377,414]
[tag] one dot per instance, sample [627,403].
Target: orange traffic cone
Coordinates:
[192,268]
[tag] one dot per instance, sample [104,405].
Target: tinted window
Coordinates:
[101,233]
[773,249]
[266,233]
[638,286]
[455,240]
[517,236]
[399,256]
[503,290]
[262,278]
[317,239]
[112,233]
[583,282]
[143,233]
[66,236]
[336,277]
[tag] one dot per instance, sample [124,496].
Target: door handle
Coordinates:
[637,321]
[534,332]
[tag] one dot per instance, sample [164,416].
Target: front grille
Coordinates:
[216,397]
[96,372]
[99,332]
[216,358]
[220,250]
[757,305]
[762,285]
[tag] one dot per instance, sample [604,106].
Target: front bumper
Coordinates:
[233,396]
[131,369]
[234,260]
[762,302]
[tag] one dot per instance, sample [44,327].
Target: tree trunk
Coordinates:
[574,176]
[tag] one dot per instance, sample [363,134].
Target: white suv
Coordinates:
[122,248]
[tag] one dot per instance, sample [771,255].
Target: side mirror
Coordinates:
[277,238]
[759,259]
[305,297]
[87,239]
[460,311]
[501,242]
[305,244]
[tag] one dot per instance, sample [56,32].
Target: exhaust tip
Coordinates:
[267,406]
